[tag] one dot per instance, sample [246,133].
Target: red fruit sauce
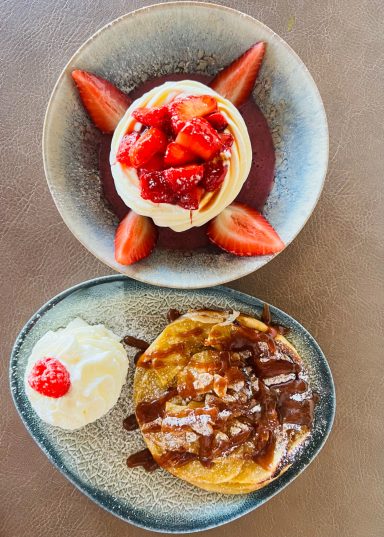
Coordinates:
[255,190]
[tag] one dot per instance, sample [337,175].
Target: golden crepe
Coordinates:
[222,400]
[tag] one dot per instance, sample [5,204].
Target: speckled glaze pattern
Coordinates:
[185,37]
[94,457]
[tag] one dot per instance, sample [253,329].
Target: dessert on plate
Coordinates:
[190,163]
[74,375]
[222,400]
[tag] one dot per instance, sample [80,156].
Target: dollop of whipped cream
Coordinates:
[97,364]
[239,162]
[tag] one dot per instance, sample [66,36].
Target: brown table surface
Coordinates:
[330,278]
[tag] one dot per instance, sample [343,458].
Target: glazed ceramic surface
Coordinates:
[185,37]
[94,457]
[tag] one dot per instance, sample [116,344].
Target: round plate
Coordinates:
[185,37]
[94,457]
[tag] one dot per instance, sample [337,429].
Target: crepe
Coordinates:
[222,400]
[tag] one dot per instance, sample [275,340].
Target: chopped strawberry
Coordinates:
[152,117]
[214,175]
[152,141]
[49,377]
[156,163]
[226,141]
[126,143]
[177,155]
[190,200]
[236,81]
[184,179]
[155,187]
[103,101]
[181,110]
[135,238]
[243,231]
[218,121]
[200,137]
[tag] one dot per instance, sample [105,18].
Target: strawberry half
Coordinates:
[243,231]
[236,81]
[184,179]
[218,121]
[181,110]
[103,101]
[135,238]
[177,155]
[200,137]
[126,143]
[152,117]
[152,141]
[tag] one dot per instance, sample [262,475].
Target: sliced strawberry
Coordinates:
[214,175]
[190,200]
[181,110]
[184,179]
[126,143]
[177,155]
[199,137]
[103,101]
[242,231]
[218,121]
[156,163]
[236,81]
[155,187]
[152,141]
[135,238]
[226,141]
[152,117]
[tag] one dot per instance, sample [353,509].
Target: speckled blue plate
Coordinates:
[185,37]
[94,458]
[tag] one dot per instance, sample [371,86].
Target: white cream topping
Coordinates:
[97,364]
[239,161]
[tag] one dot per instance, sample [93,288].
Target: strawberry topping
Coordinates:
[152,117]
[191,199]
[243,231]
[155,187]
[182,180]
[200,137]
[236,81]
[214,175]
[152,141]
[135,238]
[218,121]
[183,109]
[126,143]
[226,141]
[49,377]
[177,155]
[105,103]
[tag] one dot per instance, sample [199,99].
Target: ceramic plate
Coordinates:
[185,37]
[94,458]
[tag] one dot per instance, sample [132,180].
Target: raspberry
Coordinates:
[49,377]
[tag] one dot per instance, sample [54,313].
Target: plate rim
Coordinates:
[136,274]
[250,300]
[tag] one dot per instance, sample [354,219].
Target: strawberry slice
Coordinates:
[242,231]
[135,238]
[218,121]
[191,200]
[152,117]
[181,110]
[199,137]
[126,143]
[177,155]
[103,101]
[236,81]
[182,180]
[152,141]
[226,141]
[155,187]
[214,175]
